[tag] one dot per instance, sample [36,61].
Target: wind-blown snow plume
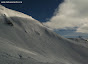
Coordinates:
[70,14]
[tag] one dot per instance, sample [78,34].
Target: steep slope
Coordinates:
[24,40]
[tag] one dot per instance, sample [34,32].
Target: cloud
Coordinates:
[83,28]
[70,14]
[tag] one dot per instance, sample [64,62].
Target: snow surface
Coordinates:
[27,41]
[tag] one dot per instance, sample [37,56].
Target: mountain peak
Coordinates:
[11,13]
[1,7]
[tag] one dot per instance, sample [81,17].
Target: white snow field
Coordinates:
[24,40]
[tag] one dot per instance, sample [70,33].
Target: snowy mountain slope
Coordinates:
[24,40]
[81,41]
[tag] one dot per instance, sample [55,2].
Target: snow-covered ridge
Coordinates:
[2,6]
[10,13]
[24,40]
